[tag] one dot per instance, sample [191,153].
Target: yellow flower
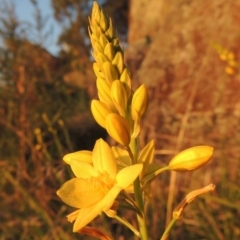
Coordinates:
[191,158]
[96,185]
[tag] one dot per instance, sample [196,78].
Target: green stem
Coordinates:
[127,224]
[169,227]
[138,194]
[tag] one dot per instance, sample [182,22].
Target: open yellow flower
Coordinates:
[96,185]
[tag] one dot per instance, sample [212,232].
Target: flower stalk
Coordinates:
[105,172]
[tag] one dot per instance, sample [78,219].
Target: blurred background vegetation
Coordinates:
[187,52]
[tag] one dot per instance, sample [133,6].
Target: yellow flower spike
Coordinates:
[139,102]
[118,128]
[100,111]
[110,72]
[191,158]
[109,51]
[118,61]
[83,155]
[98,191]
[119,97]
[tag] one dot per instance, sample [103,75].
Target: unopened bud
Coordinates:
[110,72]
[119,97]
[191,159]
[104,91]
[118,61]
[109,51]
[117,127]
[125,78]
[100,111]
[97,70]
[139,102]
[100,57]
[110,32]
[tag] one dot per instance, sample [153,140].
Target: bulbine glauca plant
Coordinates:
[106,172]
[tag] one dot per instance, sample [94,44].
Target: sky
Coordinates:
[25,12]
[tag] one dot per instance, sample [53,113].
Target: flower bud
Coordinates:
[97,47]
[110,32]
[139,102]
[119,97]
[97,70]
[110,72]
[103,40]
[109,51]
[104,91]
[118,61]
[125,78]
[191,158]
[100,111]
[100,57]
[117,127]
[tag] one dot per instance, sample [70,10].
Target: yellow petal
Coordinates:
[82,169]
[80,193]
[86,215]
[127,175]
[103,159]
[83,156]
[191,158]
